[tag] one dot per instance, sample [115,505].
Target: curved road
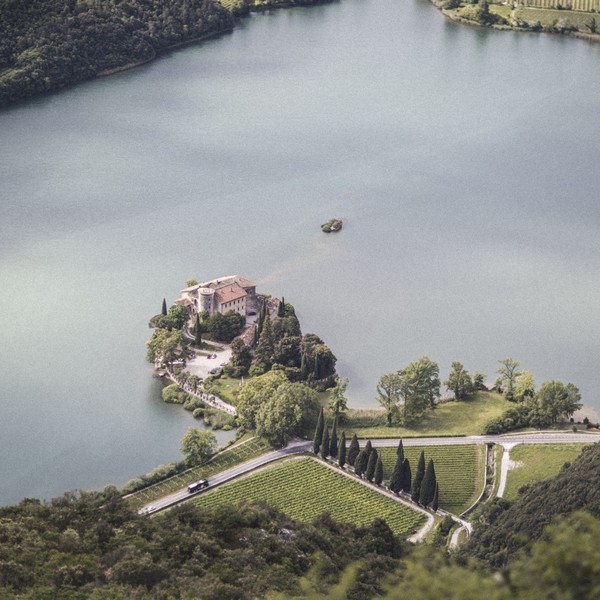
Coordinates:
[299,446]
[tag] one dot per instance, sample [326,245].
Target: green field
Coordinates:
[548,17]
[302,488]
[458,469]
[536,462]
[229,457]
[449,418]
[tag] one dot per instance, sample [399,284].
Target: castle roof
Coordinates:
[230,292]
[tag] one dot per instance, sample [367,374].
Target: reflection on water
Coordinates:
[463,161]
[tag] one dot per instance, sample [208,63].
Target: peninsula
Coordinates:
[576,18]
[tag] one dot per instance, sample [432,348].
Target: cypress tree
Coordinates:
[415,490]
[368,447]
[406,475]
[261,317]
[303,367]
[427,490]
[353,451]
[360,463]
[265,349]
[255,339]
[197,331]
[396,480]
[370,470]
[400,452]
[333,444]
[281,308]
[164,308]
[435,501]
[342,450]
[318,432]
[325,442]
[378,471]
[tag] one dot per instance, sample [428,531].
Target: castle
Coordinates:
[220,296]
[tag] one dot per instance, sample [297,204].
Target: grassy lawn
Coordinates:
[449,418]
[225,388]
[236,454]
[458,469]
[536,462]
[500,9]
[303,488]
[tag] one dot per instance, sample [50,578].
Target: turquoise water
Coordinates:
[462,160]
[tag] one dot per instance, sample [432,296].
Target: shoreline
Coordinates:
[451,14]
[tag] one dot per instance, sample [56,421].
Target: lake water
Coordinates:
[463,161]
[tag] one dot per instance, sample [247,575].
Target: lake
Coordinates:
[463,162]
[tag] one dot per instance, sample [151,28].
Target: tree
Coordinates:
[341,453]
[396,479]
[388,394]
[241,358]
[318,358]
[361,462]
[479,382]
[292,408]
[400,450]
[508,373]
[281,308]
[197,332]
[378,472]
[406,476]
[325,442]
[353,450]
[318,432]
[198,446]
[164,307]
[436,498]
[287,351]
[178,316]
[371,464]
[419,388]
[338,402]
[427,490]
[459,382]
[415,491]
[556,399]
[524,386]
[256,392]
[265,350]
[165,347]
[333,443]
[224,328]
[191,282]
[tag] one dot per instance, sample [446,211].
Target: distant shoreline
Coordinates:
[508,26]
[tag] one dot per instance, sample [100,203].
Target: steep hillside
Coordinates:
[507,528]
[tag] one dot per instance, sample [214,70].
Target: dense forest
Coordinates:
[92,545]
[48,44]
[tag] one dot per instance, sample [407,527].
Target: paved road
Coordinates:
[295,447]
[299,446]
[514,439]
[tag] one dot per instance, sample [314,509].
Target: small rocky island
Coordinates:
[332,225]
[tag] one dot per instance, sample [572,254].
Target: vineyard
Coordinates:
[459,471]
[303,489]
[224,460]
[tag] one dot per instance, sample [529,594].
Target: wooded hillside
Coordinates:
[48,44]
[92,545]
[508,528]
